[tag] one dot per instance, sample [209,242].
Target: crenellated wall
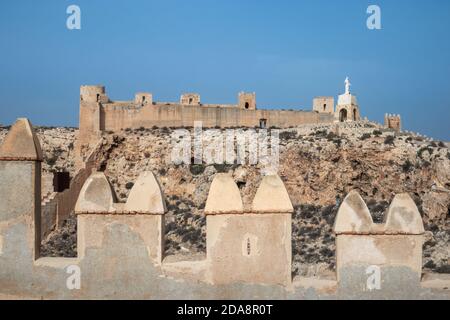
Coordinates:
[121,245]
[392,121]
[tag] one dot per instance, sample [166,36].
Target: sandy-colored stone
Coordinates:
[323,105]
[249,248]
[224,196]
[99,114]
[392,121]
[272,196]
[380,250]
[92,229]
[21,143]
[146,196]
[96,195]
[353,216]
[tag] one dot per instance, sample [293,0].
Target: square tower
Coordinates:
[143,99]
[323,105]
[392,121]
[247,101]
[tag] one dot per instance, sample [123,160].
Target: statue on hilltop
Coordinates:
[347,85]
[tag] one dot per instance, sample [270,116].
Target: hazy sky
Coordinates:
[286,51]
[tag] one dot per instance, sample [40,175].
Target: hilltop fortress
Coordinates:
[99,113]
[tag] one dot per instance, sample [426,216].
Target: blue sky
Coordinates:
[286,51]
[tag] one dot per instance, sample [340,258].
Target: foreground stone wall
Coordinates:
[394,247]
[249,250]
[57,208]
[393,121]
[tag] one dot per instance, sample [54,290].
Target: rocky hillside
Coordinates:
[319,166]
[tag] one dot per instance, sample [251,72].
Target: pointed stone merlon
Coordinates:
[394,247]
[143,214]
[248,246]
[20,193]
[96,196]
[21,143]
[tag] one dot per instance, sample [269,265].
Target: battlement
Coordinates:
[249,248]
[98,114]
[95,94]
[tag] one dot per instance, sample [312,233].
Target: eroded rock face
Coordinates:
[319,166]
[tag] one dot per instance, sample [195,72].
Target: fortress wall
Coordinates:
[119,117]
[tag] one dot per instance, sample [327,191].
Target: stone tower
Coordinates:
[247,101]
[392,121]
[347,108]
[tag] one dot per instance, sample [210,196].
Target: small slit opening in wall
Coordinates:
[248,247]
